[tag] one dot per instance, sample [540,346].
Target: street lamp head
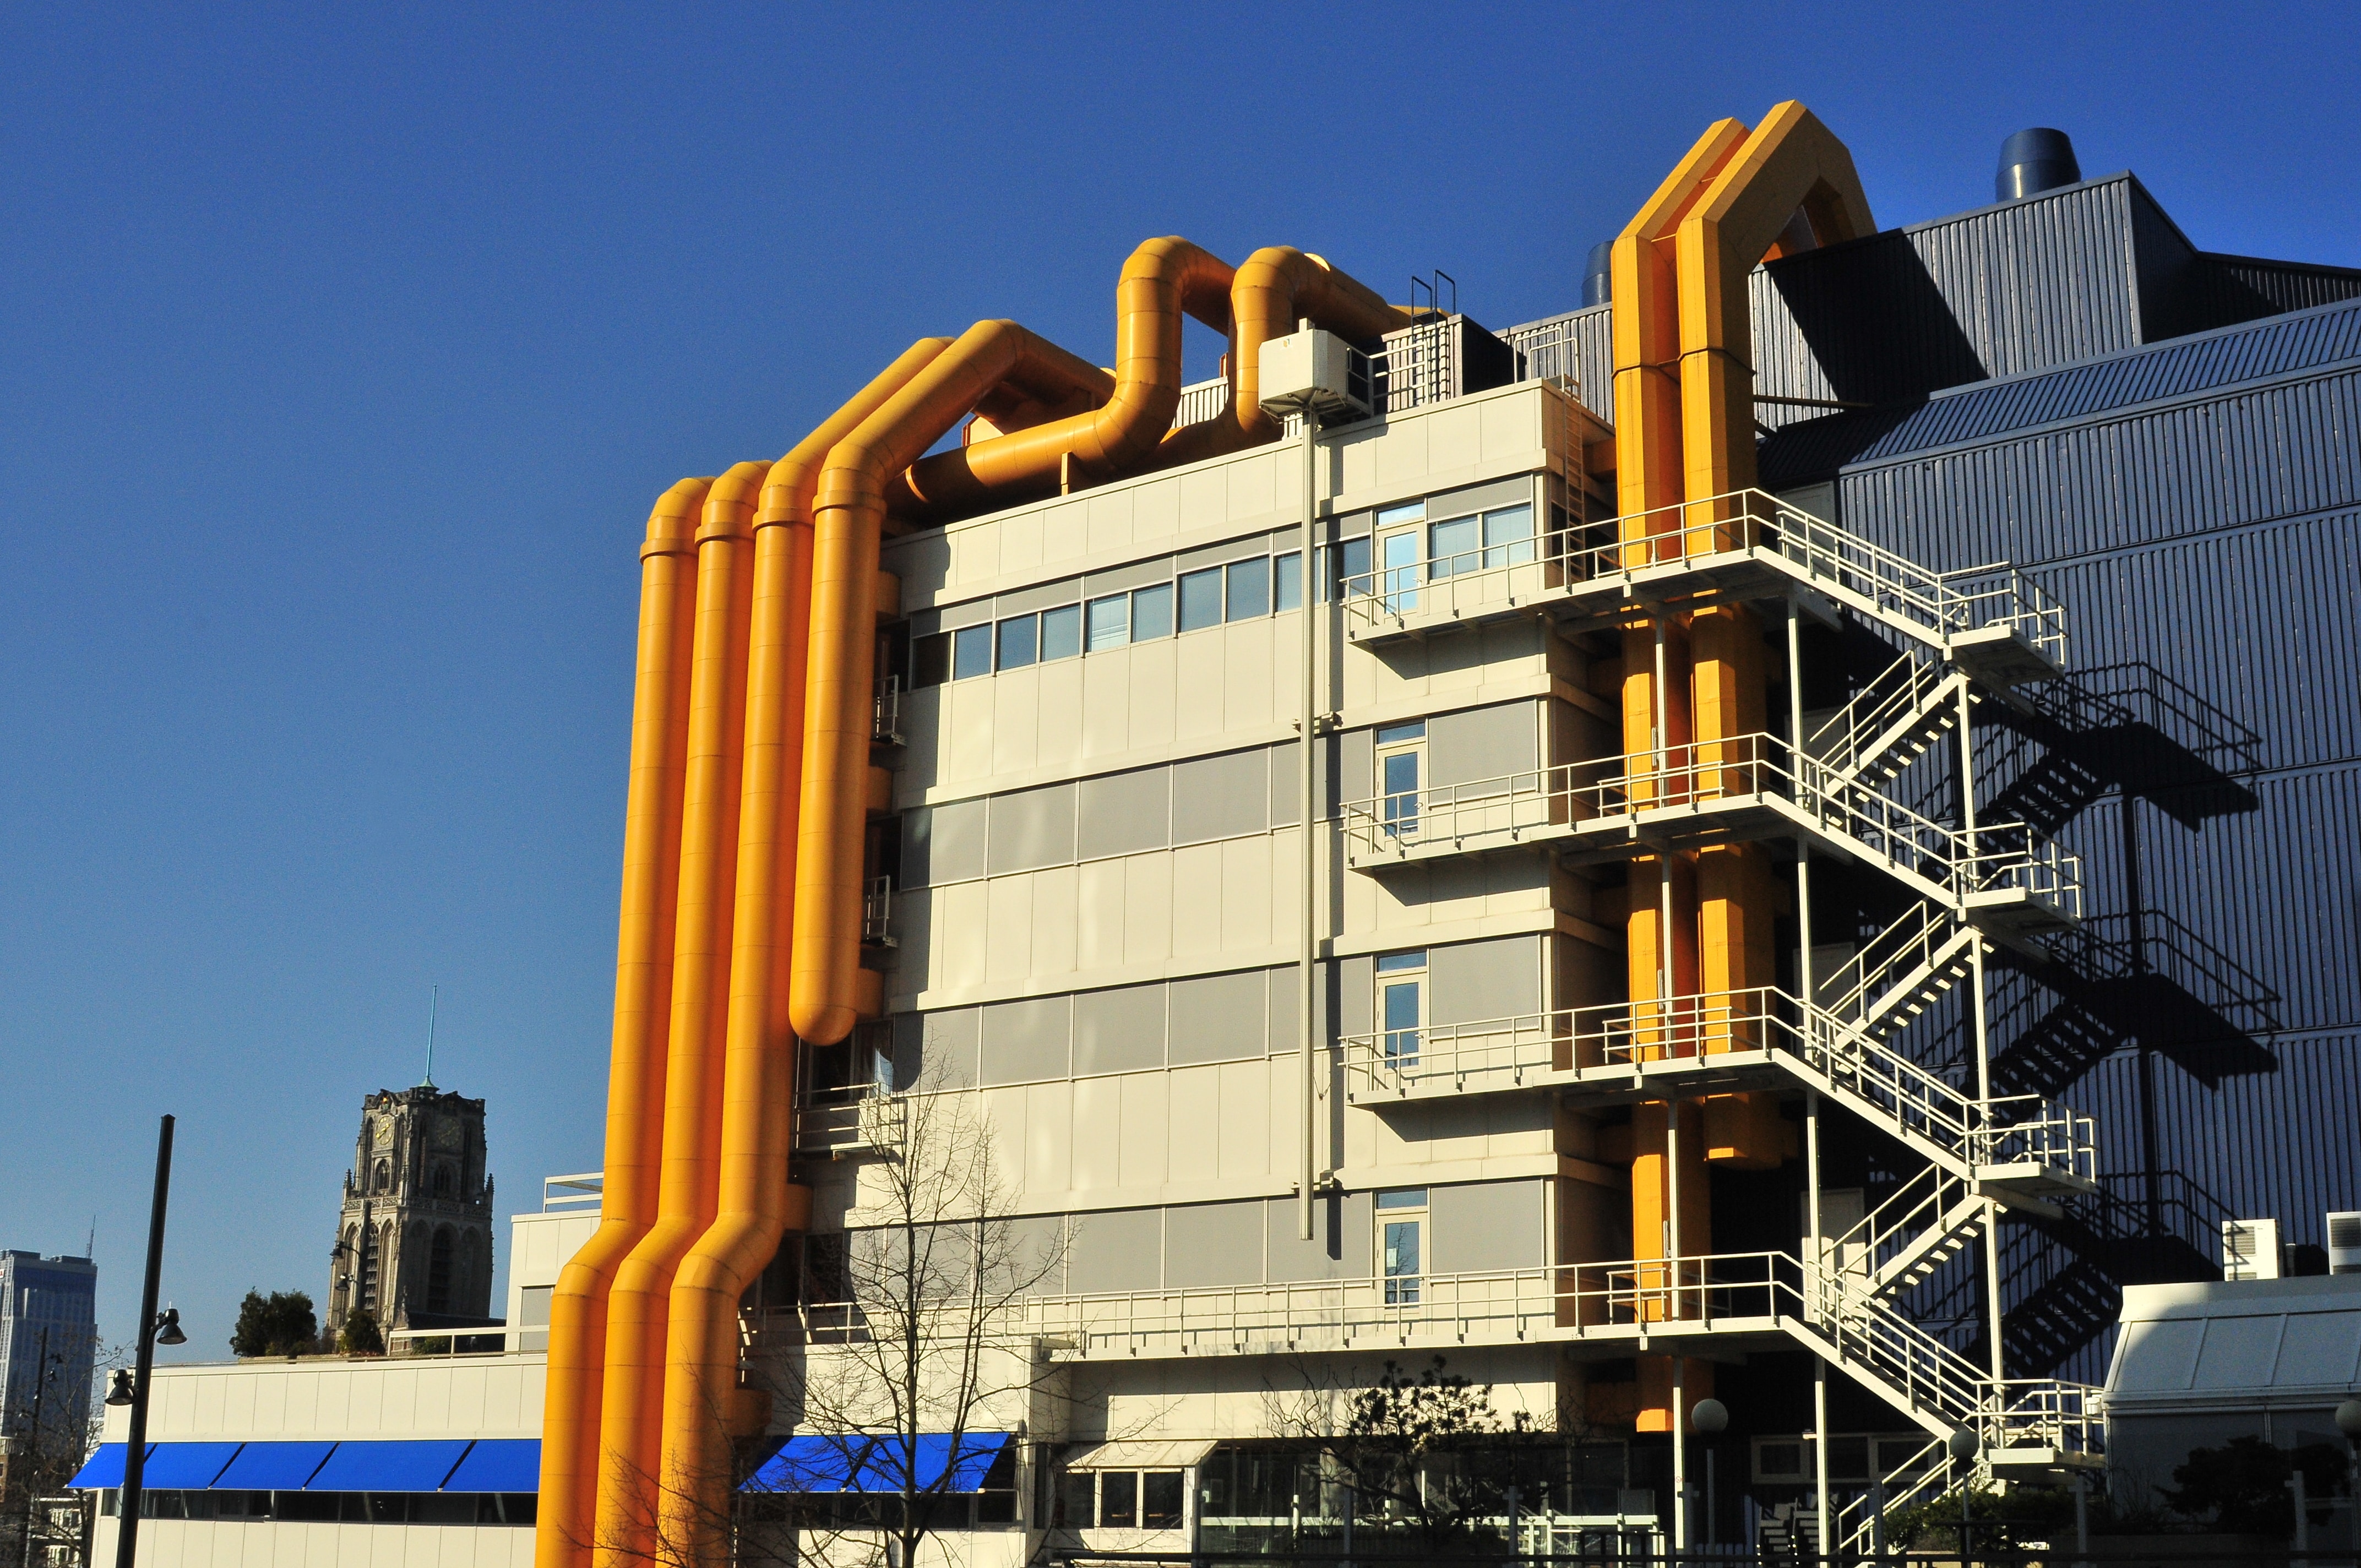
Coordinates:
[1963,1443]
[118,1389]
[167,1327]
[1709,1418]
[2348,1419]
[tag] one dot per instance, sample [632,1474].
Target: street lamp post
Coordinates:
[1709,1420]
[155,1328]
[1963,1446]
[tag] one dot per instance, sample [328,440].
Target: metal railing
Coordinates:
[1933,606]
[1946,864]
[1919,1218]
[861,1119]
[885,711]
[1200,401]
[1908,700]
[877,912]
[1914,956]
[585,1188]
[1880,1082]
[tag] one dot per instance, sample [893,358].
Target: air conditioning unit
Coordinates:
[1316,368]
[2250,1249]
[2345,1242]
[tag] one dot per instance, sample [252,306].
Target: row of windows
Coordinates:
[1241,590]
[331,1508]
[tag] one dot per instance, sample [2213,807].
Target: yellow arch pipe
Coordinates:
[635,1077]
[1161,281]
[756,1205]
[632,1397]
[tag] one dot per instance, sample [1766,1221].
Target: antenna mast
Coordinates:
[433,1002]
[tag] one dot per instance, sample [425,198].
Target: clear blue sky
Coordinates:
[345,348]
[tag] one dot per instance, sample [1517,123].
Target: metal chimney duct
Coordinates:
[1598,274]
[2033,161]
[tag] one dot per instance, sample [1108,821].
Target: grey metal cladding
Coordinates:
[1032,829]
[1224,796]
[1119,1030]
[1356,978]
[1036,1253]
[1286,780]
[1514,490]
[1483,1226]
[1028,1041]
[1478,743]
[1122,813]
[1041,595]
[1357,753]
[954,833]
[917,841]
[936,1050]
[1339,1249]
[1285,985]
[1135,574]
[1116,1249]
[1221,554]
[1213,1243]
[1468,982]
[1219,1017]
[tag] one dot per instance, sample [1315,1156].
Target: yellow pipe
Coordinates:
[635,1079]
[702,1402]
[632,1397]
[1162,281]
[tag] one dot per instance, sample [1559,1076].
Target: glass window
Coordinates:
[1402,760]
[1077,1500]
[930,660]
[970,652]
[1394,734]
[1400,1010]
[1200,598]
[1400,1225]
[1397,571]
[1109,622]
[1119,1498]
[1395,963]
[1249,589]
[1151,613]
[1020,642]
[1287,581]
[1509,537]
[1451,547]
[1159,1499]
[1407,511]
[1349,569]
[1061,632]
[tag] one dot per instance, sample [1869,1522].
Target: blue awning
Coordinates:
[499,1464]
[401,1466]
[272,1466]
[104,1468]
[185,1466]
[939,1462]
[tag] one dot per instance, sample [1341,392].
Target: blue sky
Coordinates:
[346,347]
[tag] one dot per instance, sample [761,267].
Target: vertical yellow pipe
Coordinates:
[635,1082]
[703,1406]
[632,1398]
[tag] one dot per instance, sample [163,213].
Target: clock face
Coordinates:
[385,1135]
[447,1135]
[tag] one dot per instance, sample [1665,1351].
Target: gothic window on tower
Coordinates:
[443,1181]
[439,1271]
[382,1180]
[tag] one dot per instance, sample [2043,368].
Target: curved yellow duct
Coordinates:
[1161,281]
[757,1205]
[631,1400]
[635,1076]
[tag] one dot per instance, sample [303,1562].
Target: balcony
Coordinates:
[862,1122]
[1991,621]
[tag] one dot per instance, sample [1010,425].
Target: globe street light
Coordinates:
[1709,1418]
[1962,1446]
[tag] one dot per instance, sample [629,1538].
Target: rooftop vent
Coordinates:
[2033,161]
[1598,274]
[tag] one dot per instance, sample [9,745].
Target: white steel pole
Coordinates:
[1982,1022]
[1307,955]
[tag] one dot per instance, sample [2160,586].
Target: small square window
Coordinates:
[1407,511]
[970,652]
[1119,1499]
[1159,1499]
[1020,642]
[1077,1499]
[1396,734]
[1509,537]
[1151,613]
[1348,567]
[1403,1198]
[1200,600]
[1395,963]
[1249,589]
[930,660]
[1451,547]
[1287,580]
[1109,622]
[1061,632]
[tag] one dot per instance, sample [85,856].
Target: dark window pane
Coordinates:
[1019,642]
[1353,566]
[1200,600]
[970,652]
[1119,1498]
[1076,1498]
[930,660]
[1159,1499]
[1288,570]
[1249,589]
[1061,632]
[1151,613]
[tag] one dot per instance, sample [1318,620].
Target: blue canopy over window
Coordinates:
[104,1468]
[815,1463]
[499,1464]
[416,1465]
[185,1466]
[272,1466]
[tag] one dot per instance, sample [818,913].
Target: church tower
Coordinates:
[414,1242]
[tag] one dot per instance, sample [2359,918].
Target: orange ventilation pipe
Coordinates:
[631,1401]
[703,1406]
[635,1076]
[1162,281]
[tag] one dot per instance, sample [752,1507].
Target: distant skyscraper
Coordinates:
[414,1241]
[56,1297]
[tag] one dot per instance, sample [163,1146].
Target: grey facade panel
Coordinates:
[1120,1030]
[1220,798]
[1343,1225]
[1485,1226]
[1042,596]
[1470,981]
[946,841]
[1116,1249]
[1219,1017]
[1028,1041]
[936,1050]
[1213,1243]
[1479,743]
[1355,996]
[1031,828]
[1122,813]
